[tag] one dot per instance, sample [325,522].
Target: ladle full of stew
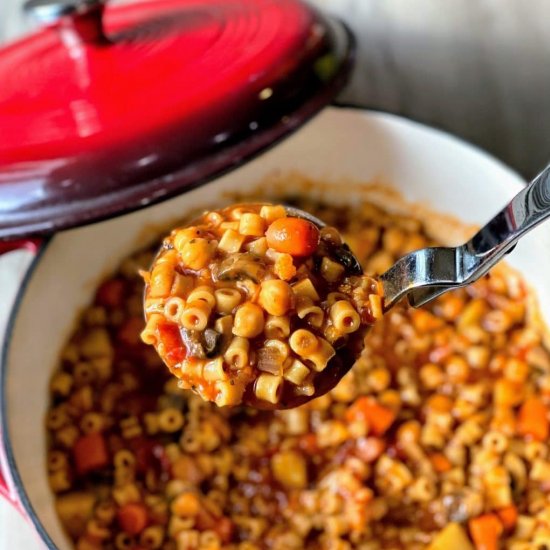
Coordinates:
[264,305]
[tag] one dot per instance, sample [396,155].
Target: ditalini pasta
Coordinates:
[252,304]
[437,439]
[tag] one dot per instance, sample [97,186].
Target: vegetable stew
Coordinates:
[436,439]
[250,304]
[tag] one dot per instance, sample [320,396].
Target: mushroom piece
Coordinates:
[240,267]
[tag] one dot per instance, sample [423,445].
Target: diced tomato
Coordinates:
[294,236]
[176,355]
[111,293]
[90,453]
[169,335]
[132,518]
[170,338]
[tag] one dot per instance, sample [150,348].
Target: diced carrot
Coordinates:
[170,337]
[485,531]
[111,293]
[379,418]
[508,517]
[533,419]
[294,236]
[440,462]
[90,453]
[132,518]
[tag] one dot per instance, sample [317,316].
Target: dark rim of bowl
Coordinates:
[6,443]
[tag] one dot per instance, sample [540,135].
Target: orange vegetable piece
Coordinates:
[508,517]
[90,453]
[294,236]
[485,531]
[533,419]
[440,462]
[132,518]
[379,418]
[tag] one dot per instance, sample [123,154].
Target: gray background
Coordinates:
[477,68]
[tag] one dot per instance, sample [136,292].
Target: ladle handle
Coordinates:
[425,274]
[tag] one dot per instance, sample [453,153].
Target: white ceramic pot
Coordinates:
[339,145]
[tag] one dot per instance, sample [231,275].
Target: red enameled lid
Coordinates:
[104,111]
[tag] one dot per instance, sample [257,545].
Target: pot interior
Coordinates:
[339,146]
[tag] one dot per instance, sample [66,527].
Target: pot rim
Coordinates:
[5,442]
[13,471]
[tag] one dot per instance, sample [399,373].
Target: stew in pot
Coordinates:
[438,438]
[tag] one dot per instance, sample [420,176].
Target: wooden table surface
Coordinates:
[477,68]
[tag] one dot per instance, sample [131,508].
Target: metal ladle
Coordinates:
[427,273]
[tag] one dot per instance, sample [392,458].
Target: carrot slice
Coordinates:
[508,517]
[485,531]
[90,453]
[533,419]
[379,418]
[132,518]
[294,236]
